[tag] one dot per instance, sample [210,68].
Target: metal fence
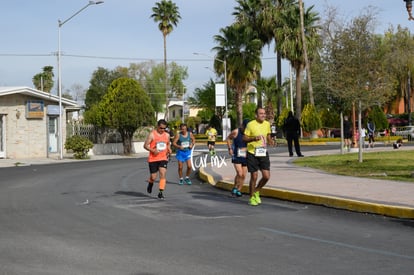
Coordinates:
[101,135]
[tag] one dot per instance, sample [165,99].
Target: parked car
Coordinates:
[405,132]
[396,121]
[334,133]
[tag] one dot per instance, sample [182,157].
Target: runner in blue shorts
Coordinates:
[184,142]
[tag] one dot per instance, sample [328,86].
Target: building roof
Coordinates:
[38,94]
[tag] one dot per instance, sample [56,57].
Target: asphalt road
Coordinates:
[94,217]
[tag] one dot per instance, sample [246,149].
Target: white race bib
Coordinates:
[185,144]
[260,152]
[161,146]
[241,152]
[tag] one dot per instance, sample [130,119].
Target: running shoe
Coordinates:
[161,195]
[188,181]
[238,194]
[181,182]
[234,191]
[149,187]
[252,201]
[257,197]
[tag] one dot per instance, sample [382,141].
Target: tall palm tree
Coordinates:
[239,47]
[167,15]
[261,16]
[290,42]
[249,13]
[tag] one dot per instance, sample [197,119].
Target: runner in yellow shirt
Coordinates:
[211,134]
[257,135]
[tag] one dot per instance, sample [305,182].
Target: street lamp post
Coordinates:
[60,24]
[225,124]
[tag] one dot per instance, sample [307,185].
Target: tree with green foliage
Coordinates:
[310,118]
[355,71]
[126,107]
[153,84]
[399,59]
[176,75]
[167,15]
[44,81]
[241,49]
[261,15]
[99,83]
[204,97]
[379,118]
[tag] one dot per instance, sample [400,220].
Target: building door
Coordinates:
[53,134]
[2,137]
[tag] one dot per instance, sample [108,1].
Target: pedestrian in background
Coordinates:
[257,135]
[347,133]
[371,133]
[291,127]
[184,142]
[238,150]
[159,146]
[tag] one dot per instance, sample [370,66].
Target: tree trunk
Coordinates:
[305,54]
[298,92]
[239,106]
[165,76]
[279,83]
[127,143]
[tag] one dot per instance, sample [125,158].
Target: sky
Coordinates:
[120,32]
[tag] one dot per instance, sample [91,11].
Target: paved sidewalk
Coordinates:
[306,185]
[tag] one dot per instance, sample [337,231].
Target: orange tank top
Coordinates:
[160,141]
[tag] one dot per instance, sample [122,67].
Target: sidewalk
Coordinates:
[306,185]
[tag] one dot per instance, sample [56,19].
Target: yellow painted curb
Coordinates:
[206,177]
[329,201]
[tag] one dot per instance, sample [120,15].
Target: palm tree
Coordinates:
[249,13]
[167,15]
[239,47]
[261,16]
[290,42]
[44,80]
[267,88]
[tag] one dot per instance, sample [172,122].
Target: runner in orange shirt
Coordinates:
[159,147]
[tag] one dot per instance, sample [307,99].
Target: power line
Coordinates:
[114,57]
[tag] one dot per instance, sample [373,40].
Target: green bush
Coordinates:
[310,118]
[79,145]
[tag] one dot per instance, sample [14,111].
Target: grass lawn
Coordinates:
[390,165]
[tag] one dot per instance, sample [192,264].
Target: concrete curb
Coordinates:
[316,199]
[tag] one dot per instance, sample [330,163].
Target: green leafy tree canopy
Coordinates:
[126,107]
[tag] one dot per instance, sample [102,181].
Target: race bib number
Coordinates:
[185,144]
[241,152]
[161,146]
[260,152]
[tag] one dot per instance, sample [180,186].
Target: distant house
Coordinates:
[29,121]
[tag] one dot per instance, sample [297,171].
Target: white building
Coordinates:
[29,122]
